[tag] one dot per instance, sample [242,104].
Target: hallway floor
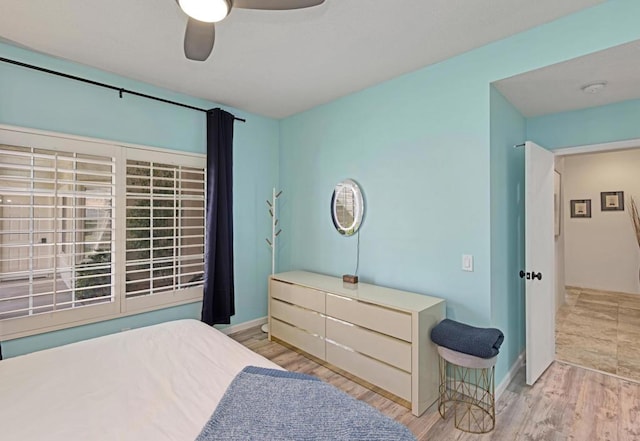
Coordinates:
[600,330]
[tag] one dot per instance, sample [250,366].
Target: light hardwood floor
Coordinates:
[600,330]
[567,403]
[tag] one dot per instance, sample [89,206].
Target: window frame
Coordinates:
[121,306]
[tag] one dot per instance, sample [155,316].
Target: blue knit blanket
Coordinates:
[271,405]
[480,342]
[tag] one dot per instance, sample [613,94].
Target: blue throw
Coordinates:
[271,405]
[480,342]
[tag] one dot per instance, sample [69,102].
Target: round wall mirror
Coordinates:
[347,207]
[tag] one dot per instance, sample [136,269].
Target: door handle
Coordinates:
[532,275]
[522,275]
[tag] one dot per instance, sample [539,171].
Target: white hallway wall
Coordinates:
[601,252]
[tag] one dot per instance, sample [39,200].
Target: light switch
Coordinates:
[467,262]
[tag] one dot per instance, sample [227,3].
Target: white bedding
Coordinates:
[157,383]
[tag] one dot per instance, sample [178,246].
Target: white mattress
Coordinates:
[157,383]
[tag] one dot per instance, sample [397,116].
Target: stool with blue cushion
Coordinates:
[467,373]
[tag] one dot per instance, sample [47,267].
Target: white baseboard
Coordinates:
[243,326]
[510,375]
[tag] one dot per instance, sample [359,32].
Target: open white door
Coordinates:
[539,270]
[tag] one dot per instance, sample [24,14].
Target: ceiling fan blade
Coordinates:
[198,39]
[276,5]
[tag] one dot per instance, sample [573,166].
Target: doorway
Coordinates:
[597,255]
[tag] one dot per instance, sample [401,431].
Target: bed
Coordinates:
[161,382]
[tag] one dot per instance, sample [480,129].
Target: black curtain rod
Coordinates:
[120,90]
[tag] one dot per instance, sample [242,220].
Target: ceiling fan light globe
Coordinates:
[209,11]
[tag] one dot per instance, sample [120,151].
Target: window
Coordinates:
[91,230]
[56,226]
[165,227]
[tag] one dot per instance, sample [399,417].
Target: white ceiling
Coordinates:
[558,88]
[271,63]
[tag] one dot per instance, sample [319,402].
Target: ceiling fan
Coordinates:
[203,14]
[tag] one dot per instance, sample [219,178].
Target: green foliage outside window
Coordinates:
[153,213]
[94,271]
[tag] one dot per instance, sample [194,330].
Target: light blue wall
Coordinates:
[33,99]
[420,147]
[412,146]
[614,122]
[507,226]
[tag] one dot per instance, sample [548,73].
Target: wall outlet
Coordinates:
[467,262]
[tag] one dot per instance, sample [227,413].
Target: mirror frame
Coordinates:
[358,215]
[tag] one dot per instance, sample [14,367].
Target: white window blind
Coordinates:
[57,213]
[165,228]
[91,230]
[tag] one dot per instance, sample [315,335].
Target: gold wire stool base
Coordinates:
[469,392]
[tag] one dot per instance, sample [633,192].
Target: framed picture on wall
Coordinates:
[612,201]
[581,208]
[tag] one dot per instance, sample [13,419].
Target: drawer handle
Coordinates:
[341,298]
[375,305]
[282,281]
[342,322]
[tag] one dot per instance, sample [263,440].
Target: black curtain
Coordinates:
[218,303]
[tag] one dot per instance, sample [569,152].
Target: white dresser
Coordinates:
[378,334]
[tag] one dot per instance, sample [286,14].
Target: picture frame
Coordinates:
[612,201]
[581,208]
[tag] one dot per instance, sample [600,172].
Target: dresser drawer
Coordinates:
[382,375]
[387,321]
[310,321]
[298,295]
[381,347]
[312,344]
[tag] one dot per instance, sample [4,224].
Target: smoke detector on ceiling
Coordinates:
[595,87]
